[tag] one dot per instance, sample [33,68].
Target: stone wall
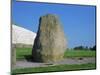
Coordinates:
[13,56]
[20,45]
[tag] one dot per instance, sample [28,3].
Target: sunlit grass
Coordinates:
[22,52]
[55,68]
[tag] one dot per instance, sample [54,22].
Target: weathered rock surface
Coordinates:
[50,42]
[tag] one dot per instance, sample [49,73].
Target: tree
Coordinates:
[93,48]
[79,48]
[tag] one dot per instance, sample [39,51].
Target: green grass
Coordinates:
[55,68]
[22,52]
[79,53]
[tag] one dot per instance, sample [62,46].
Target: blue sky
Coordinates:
[78,21]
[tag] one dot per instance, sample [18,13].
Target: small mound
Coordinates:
[21,35]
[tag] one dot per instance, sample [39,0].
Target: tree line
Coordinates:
[85,48]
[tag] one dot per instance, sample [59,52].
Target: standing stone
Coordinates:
[50,42]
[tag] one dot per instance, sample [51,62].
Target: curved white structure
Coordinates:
[22,35]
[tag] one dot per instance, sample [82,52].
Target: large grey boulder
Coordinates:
[50,42]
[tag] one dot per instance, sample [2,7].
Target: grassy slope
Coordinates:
[55,68]
[22,52]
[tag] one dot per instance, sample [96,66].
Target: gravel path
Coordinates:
[69,61]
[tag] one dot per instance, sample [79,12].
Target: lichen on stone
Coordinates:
[50,42]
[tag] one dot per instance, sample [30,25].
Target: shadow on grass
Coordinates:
[29,58]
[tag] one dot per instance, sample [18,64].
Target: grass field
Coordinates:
[22,52]
[79,53]
[55,68]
